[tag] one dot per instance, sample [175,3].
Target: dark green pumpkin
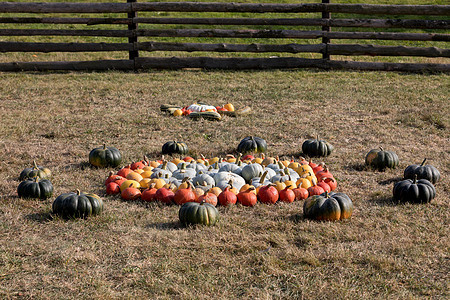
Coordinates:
[105,157]
[381,159]
[35,188]
[317,148]
[35,171]
[77,205]
[174,147]
[422,171]
[203,213]
[252,144]
[328,207]
[414,191]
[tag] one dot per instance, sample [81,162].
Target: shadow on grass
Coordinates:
[356,167]
[80,166]
[166,225]
[384,201]
[296,218]
[390,181]
[42,217]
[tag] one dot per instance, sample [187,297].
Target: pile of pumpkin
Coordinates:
[198,185]
[226,181]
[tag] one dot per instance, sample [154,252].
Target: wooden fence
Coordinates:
[254,25]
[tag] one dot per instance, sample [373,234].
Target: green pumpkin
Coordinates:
[77,205]
[414,191]
[317,148]
[203,213]
[174,147]
[328,207]
[252,144]
[105,157]
[381,159]
[35,171]
[35,188]
[422,171]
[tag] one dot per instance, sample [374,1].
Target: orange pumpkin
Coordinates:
[268,194]
[287,195]
[227,197]
[130,193]
[184,195]
[208,198]
[248,197]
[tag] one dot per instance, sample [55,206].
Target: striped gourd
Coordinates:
[169,108]
[208,115]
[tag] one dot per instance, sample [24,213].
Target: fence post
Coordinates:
[326,40]
[132,27]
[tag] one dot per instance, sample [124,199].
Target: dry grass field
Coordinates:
[136,250]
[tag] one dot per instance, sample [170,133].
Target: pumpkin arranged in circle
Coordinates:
[381,159]
[77,205]
[35,188]
[35,171]
[174,147]
[422,171]
[105,157]
[252,144]
[192,213]
[328,207]
[414,191]
[317,148]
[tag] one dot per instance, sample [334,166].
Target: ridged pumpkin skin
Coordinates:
[192,213]
[414,191]
[328,207]
[35,188]
[317,148]
[77,205]
[174,147]
[380,159]
[105,157]
[422,171]
[252,144]
[35,171]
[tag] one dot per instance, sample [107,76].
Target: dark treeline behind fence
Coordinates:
[426,27]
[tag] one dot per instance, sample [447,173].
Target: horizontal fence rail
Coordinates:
[133,38]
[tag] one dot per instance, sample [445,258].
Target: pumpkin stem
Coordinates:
[280,165]
[423,162]
[381,148]
[202,202]
[35,166]
[326,194]
[78,192]
[415,179]
[104,146]
[263,177]
[325,178]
